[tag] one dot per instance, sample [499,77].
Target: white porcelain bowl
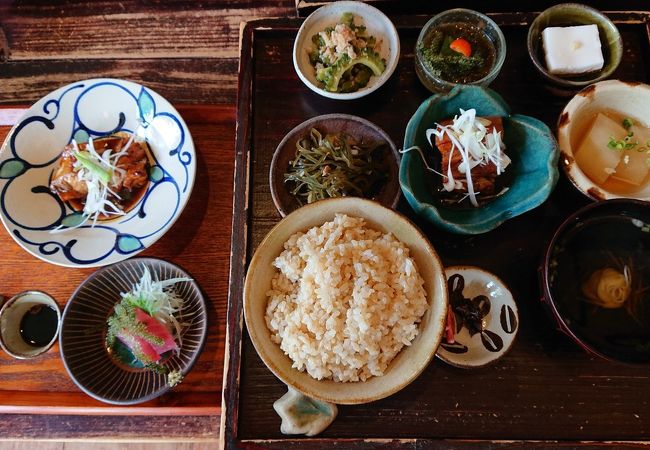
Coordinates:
[500,324]
[629,98]
[376,23]
[95,107]
[409,362]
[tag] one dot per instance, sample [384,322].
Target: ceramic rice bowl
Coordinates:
[408,363]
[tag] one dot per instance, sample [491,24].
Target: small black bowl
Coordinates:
[613,235]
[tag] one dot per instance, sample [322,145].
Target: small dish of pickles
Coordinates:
[334,155]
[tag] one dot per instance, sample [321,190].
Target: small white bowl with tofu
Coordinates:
[573,45]
[604,138]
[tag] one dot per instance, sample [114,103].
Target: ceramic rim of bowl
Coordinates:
[47,300]
[498,61]
[567,82]
[547,296]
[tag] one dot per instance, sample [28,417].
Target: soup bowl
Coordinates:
[595,276]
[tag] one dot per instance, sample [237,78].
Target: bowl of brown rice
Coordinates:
[345,300]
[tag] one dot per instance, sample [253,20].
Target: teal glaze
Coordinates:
[156,174]
[147,106]
[12,168]
[72,220]
[127,243]
[531,147]
[81,136]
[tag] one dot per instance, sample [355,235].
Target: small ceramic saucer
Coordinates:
[484,316]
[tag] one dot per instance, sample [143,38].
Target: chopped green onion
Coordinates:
[628,123]
[89,164]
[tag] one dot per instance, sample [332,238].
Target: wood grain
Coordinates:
[198,242]
[184,50]
[545,389]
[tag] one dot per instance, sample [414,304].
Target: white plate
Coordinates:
[95,107]
[376,23]
[500,324]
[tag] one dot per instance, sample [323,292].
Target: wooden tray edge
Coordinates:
[239,248]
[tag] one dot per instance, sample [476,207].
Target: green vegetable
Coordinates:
[89,163]
[625,143]
[445,63]
[335,166]
[123,321]
[338,72]
[331,76]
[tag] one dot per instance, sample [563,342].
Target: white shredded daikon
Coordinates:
[469,136]
[97,202]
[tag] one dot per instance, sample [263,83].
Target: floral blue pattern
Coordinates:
[93,108]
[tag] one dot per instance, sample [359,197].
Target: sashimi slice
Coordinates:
[157,329]
[142,349]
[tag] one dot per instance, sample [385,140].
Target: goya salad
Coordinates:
[345,57]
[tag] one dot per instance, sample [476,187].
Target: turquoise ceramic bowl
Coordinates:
[530,145]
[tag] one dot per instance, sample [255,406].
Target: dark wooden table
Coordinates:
[188,52]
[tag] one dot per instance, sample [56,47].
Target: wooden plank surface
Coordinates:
[546,388]
[188,52]
[199,242]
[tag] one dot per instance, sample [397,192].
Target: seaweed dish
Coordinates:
[336,165]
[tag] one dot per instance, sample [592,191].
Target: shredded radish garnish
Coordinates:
[99,171]
[469,136]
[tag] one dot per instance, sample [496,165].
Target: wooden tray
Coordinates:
[42,385]
[545,389]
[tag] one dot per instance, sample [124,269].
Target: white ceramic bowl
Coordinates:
[377,24]
[411,360]
[629,98]
[501,322]
[94,107]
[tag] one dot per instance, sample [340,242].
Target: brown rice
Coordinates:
[345,301]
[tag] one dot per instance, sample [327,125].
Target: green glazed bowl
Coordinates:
[571,14]
[529,143]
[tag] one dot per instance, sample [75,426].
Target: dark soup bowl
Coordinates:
[596,279]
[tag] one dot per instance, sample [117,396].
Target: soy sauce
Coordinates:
[38,326]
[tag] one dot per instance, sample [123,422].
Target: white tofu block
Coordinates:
[594,157]
[572,50]
[633,168]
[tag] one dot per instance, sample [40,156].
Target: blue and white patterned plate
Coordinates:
[95,107]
